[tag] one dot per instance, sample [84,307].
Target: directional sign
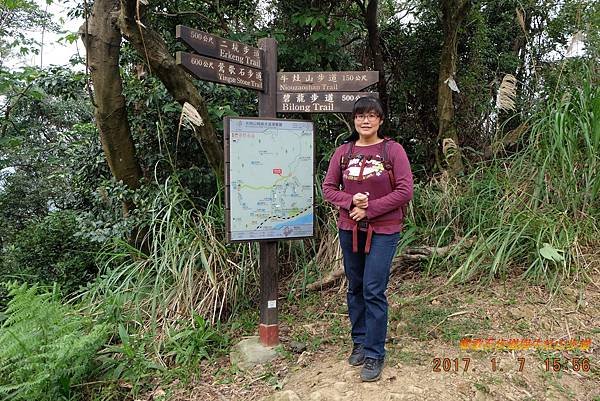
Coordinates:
[210,69]
[319,102]
[326,81]
[210,45]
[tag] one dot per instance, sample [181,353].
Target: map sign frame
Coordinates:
[266,197]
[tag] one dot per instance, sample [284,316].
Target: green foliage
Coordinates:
[188,270]
[532,210]
[18,18]
[189,344]
[45,150]
[47,347]
[48,251]
[50,162]
[316,37]
[566,141]
[129,360]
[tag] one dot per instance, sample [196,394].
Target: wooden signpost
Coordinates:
[325,81]
[223,49]
[233,63]
[322,91]
[210,69]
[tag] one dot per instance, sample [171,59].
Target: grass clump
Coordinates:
[188,269]
[536,210]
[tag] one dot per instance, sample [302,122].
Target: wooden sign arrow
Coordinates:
[326,81]
[319,102]
[210,69]
[210,45]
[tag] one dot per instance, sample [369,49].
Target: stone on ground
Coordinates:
[250,352]
[287,395]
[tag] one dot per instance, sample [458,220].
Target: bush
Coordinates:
[50,251]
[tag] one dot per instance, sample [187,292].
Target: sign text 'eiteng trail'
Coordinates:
[210,45]
[209,69]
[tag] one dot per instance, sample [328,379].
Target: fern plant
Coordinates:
[46,347]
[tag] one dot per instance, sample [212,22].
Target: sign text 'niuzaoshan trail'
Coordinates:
[224,49]
[209,69]
[326,81]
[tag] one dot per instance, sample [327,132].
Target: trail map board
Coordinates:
[270,177]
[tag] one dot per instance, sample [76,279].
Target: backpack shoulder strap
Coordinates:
[384,153]
[345,159]
[387,163]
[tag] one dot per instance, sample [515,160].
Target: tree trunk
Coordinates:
[151,46]
[375,46]
[102,40]
[453,13]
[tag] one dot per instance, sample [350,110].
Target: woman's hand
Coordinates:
[357,214]
[361,200]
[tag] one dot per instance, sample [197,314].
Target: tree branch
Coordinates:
[209,20]
[10,106]
[348,43]
[153,48]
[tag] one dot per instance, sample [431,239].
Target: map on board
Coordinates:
[270,177]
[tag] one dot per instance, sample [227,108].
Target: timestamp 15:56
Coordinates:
[550,364]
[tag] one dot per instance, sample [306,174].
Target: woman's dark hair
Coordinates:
[365,105]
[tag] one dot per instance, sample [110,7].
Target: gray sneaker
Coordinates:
[371,371]
[357,357]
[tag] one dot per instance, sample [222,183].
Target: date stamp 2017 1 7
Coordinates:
[550,365]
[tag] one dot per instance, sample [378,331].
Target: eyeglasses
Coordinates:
[370,116]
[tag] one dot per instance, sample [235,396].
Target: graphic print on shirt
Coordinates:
[362,168]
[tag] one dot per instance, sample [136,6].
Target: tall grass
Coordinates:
[536,211]
[188,271]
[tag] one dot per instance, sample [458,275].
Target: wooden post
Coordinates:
[268,328]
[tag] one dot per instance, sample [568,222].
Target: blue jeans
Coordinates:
[368,276]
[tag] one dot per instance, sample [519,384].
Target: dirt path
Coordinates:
[423,328]
[422,331]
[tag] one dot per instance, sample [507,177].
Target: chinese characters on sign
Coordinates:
[224,49]
[319,102]
[269,178]
[210,69]
[326,81]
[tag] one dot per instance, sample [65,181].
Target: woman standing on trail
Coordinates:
[370,181]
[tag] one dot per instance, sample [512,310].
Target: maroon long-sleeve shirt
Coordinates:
[365,172]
